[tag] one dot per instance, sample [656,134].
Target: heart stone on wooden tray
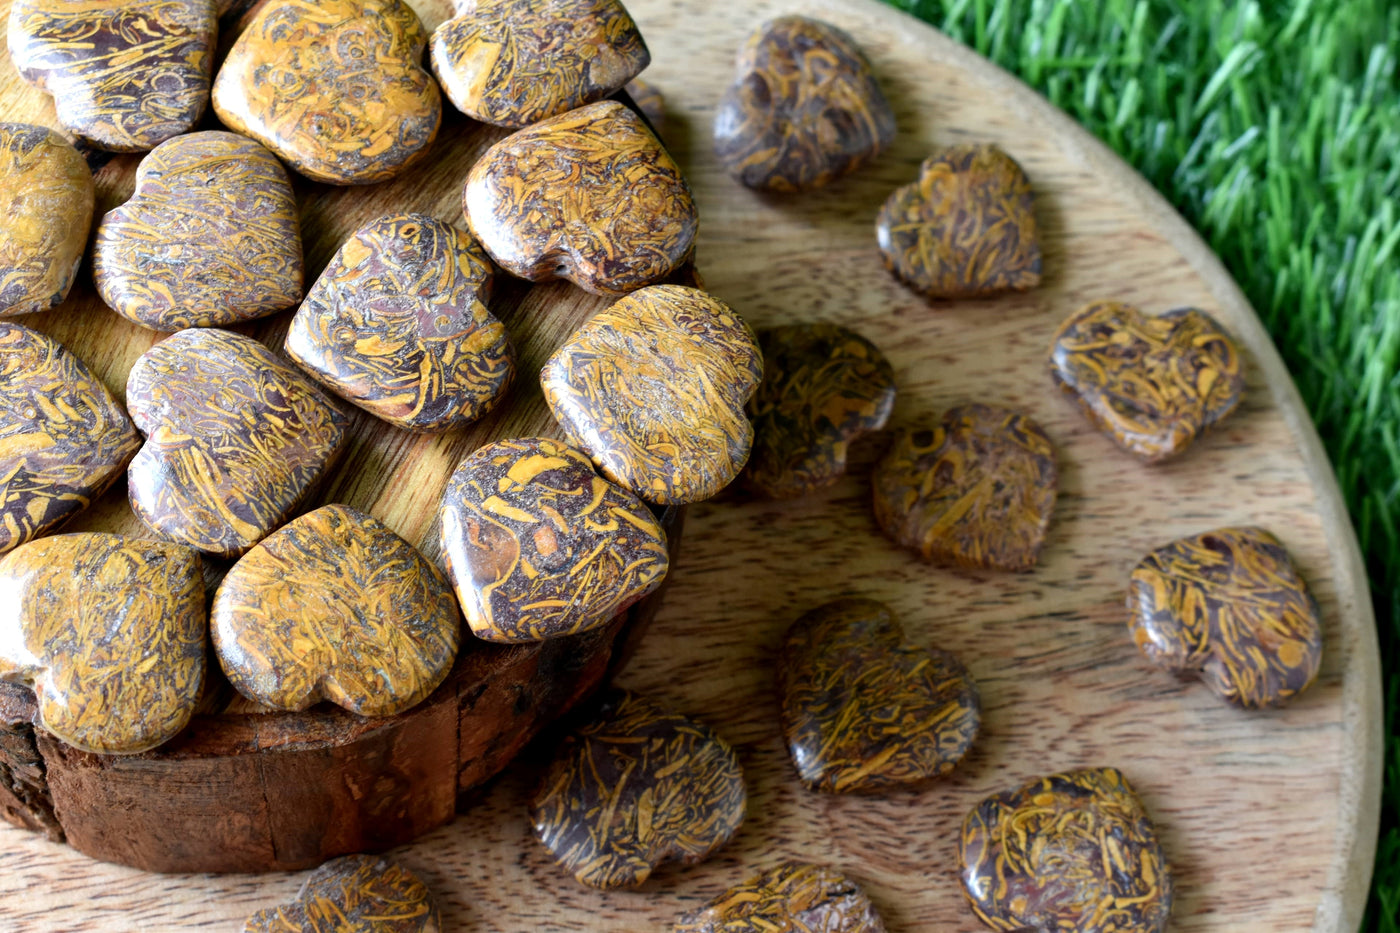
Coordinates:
[794,897]
[354,894]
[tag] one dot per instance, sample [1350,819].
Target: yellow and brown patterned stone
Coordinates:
[63,438]
[804,108]
[354,894]
[1230,607]
[863,710]
[649,101]
[977,491]
[235,437]
[46,201]
[1152,384]
[516,62]
[124,76]
[109,631]
[654,388]
[1074,851]
[398,324]
[965,229]
[335,606]
[794,897]
[334,87]
[823,386]
[589,196]
[209,238]
[636,786]
[538,545]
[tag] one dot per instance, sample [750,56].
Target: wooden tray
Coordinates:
[1269,819]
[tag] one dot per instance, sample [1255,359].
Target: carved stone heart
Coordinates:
[792,898]
[234,439]
[334,87]
[110,632]
[397,324]
[589,196]
[865,711]
[209,238]
[354,894]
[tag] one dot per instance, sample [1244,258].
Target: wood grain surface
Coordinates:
[1269,818]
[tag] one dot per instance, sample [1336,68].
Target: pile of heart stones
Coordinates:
[666,397]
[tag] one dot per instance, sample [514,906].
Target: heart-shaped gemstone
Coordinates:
[1073,851]
[1152,384]
[397,324]
[63,438]
[804,108]
[589,196]
[354,894]
[654,387]
[794,897]
[109,631]
[538,545]
[234,439]
[1230,607]
[46,199]
[863,710]
[335,606]
[965,229]
[823,387]
[516,62]
[124,76]
[977,491]
[334,87]
[636,786]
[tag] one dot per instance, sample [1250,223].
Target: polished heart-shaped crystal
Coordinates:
[794,897]
[354,894]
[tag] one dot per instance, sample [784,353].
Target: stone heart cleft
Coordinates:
[354,894]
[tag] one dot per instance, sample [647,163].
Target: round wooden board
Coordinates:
[1269,819]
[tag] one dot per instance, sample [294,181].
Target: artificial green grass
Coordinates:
[1274,127]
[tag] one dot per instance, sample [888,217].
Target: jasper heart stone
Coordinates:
[865,711]
[124,76]
[334,87]
[804,108]
[109,631]
[823,387]
[636,786]
[1152,384]
[397,324]
[209,238]
[654,387]
[335,606]
[1074,851]
[965,229]
[1230,607]
[538,545]
[589,196]
[649,101]
[46,200]
[63,438]
[977,491]
[794,897]
[516,62]
[234,439]
[354,894]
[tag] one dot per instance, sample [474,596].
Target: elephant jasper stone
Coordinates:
[804,108]
[865,711]
[649,101]
[965,229]
[589,196]
[823,387]
[124,76]
[637,786]
[63,438]
[1230,607]
[977,491]
[538,545]
[516,62]
[335,606]
[46,201]
[398,324]
[354,894]
[234,439]
[654,387]
[1074,851]
[1152,384]
[209,238]
[334,87]
[110,633]
[794,897]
